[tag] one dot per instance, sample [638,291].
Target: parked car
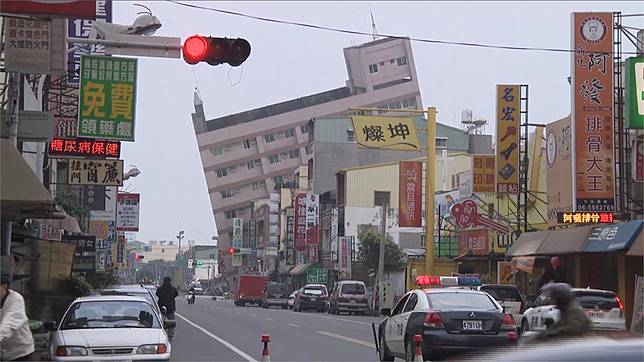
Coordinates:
[349,296]
[311,296]
[508,297]
[275,295]
[110,327]
[603,307]
[251,289]
[291,298]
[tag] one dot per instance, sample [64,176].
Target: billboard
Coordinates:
[62,147]
[85,254]
[559,164]
[634,88]
[81,28]
[67,8]
[592,112]
[312,217]
[127,212]
[300,222]
[508,123]
[391,133]
[410,193]
[483,173]
[34,46]
[334,234]
[475,241]
[95,172]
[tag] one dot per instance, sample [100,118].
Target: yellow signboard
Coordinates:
[483,173]
[391,133]
[508,122]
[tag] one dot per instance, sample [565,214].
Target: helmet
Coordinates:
[560,293]
[167,280]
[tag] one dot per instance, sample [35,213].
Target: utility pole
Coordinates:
[381,253]
[430,189]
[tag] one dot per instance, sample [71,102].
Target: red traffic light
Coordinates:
[215,51]
[195,49]
[231,250]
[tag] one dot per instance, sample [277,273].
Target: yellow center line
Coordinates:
[348,339]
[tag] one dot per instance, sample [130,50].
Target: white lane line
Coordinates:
[253,315]
[218,339]
[335,319]
[238,312]
[294,325]
[348,339]
[270,319]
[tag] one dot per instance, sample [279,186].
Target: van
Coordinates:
[275,295]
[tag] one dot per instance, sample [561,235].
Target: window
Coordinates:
[392,61]
[309,149]
[268,138]
[441,142]
[226,194]
[293,154]
[255,186]
[278,180]
[373,68]
[246,144]
[401,61]
[231,214]
[304,129]
[461,301]
[250,165]
[222,172]
[399,307]
[380,198]
[351,136]
[217,151]
[289,133]
[411,303]
[382,64]
[409,102]
[273,159]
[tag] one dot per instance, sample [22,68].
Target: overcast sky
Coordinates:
[288,62]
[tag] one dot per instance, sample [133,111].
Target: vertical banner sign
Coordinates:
[238,233]
[410,194]
[559,164]
[300,222]
[274,209]
[63,103]
[107,101]
[483,173]
[634,93]
[252,234]
[127,212]
[290,256]
[120,250]
[508,130]
[80,28]
[638,160]
[312,217]
[592,112]
[334,234]
[344,256]
[290,228]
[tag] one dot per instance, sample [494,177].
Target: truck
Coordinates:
[251,289]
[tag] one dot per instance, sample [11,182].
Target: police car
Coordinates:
[451,316]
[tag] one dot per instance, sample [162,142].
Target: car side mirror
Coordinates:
[169,323]
[385,312]
[50,326]
[164,310]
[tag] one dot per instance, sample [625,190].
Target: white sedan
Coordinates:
[110,328]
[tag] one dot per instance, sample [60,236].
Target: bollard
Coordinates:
[418,354]
[266,355]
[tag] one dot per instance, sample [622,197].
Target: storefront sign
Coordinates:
[524,263]
[483,173]
[585,217]
[592,113]
[290,256]
[80,28]
[508,130]
[444,201]
[95,172]
[465,184]
[334,234]
[290,228]
[34,46]
[312,217]
[634,92]
[316,276]
[107,101]
[391,133]
[127,212]
[466,215]
[475,241]
[47,231]
[238,233]
[559,163]
[252,234]
[274,209]
[410,194]
[85,254]
[60,147]
[300,222]
[504,272]
[610,238]
[344,255]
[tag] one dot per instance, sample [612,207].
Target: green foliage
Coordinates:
[71,201]
[80,286]
[370,249]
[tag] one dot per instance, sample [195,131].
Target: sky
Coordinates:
[288,62]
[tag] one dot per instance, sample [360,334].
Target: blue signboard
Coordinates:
[80,28]
[613,237]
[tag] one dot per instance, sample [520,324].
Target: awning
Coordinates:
[22,194]
[299,269]
[528,243]
[565,241]
[608,238]
[637,249]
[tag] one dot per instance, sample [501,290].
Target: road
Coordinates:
[220,331]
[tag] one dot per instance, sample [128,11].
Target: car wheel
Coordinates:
[524,326]
[383,353]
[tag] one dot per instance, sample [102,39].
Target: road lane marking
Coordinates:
[336,319]
[270,319]
[294,325]
[218,339]
[348,339]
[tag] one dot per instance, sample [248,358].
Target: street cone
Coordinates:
[418,354]
[266,355]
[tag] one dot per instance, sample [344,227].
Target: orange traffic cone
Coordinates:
[266,355]
[418,354]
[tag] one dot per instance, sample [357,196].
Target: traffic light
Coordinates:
[232,250]
[138,257]
[215,51]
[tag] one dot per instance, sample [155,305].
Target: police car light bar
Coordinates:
[428,281]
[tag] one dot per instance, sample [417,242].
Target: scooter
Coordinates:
[168,324]
[190,297]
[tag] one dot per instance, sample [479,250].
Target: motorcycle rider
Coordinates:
[573,322]
[166,294]
[191,293]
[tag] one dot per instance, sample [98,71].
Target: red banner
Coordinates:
[68,9]
[410,194]
[475,240]
[299,238]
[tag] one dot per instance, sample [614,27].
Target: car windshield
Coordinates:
[461,301]
[110,314]
[353,288]
[276,289]
[314,291]
[596,300]
[503,293]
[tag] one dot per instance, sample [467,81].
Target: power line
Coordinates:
[356,32]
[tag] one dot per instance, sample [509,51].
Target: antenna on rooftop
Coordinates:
[374,31]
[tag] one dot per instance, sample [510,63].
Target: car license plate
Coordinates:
[277,296]
[353,300]
[472,325]
[314,299]
[596,314]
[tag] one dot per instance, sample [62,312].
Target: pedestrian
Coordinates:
[166,294]
[553,274]
[16,341]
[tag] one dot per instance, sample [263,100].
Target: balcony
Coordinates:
[242,196]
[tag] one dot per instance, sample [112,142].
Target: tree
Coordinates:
[369,251]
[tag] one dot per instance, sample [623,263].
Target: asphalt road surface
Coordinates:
[220,331]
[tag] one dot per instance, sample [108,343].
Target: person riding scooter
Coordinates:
[191,295]
[573,322]
[166,294]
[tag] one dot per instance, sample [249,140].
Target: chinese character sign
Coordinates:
[80,28]
[559,164]
[476,241]
[585,217]
[85,254]
[95,172]
[634,93]
[127,212]
[344,255]
[334,234]
[638,160]
[30,47]
[410,194]
[107,99]
[592,112]
[508,123]
[238,233]
[483,173]
[300,222]
[392,133]
[61,147]
[312,217]
[290,228]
